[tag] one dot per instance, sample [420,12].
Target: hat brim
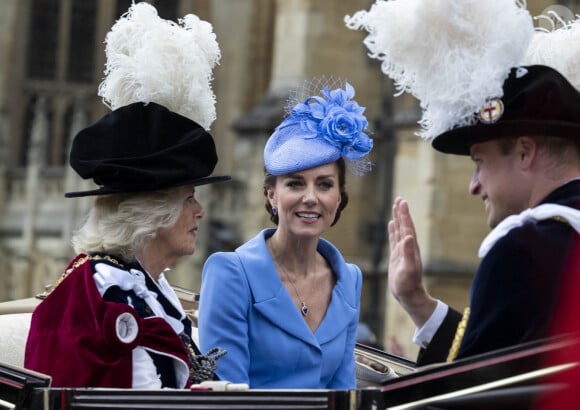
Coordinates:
[459,141]
[108,190]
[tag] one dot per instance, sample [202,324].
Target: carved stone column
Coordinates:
[4,131]
[36,161]
[71,179]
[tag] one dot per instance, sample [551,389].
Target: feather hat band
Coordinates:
[472,67]
[158,85]
[323,125]
[536,101]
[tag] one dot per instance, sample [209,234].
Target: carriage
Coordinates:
[508,378]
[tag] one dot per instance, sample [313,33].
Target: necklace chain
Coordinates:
[303,306]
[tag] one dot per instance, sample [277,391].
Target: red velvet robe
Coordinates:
[73,335]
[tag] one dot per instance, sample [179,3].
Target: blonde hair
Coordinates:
[121,224]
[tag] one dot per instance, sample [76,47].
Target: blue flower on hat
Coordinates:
[321,127]
[337,119]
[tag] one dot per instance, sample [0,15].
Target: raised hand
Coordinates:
[405,274]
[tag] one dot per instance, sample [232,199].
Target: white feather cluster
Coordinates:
[558,48]
[150,59]
[451,55]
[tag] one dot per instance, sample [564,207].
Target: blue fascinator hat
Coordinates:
[320,127]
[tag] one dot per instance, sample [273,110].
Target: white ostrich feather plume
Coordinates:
[558,48]
[451,55]
[150,59]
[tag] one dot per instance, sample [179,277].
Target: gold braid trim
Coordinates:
[560,219]
[81,261]
[458,335]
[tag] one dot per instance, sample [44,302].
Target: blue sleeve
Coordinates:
[224,304]
[345,377]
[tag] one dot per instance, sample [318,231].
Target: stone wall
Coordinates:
[268,46]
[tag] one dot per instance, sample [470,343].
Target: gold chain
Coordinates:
[81,261]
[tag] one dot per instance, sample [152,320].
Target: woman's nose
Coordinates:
[199,211]
[309,195]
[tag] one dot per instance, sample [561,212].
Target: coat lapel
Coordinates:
[342,306]
[271,298]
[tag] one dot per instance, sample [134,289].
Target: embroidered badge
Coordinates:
[520,72]
[491,111]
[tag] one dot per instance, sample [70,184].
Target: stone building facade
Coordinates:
[51,62]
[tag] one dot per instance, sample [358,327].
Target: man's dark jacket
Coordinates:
[516,286]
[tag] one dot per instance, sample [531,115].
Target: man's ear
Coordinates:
[527,151]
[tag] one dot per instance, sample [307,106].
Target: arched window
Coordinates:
[62,65]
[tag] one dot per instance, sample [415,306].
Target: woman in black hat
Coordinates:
[113,320]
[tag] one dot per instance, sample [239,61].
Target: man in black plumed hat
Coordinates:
[526,150]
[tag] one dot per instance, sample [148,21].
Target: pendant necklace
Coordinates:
[303,307]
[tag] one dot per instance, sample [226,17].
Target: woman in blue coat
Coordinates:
[285,305]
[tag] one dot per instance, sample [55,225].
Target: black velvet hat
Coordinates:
[143,147]
[537,100]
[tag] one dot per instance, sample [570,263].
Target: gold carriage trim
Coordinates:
[458,336]
[81,261]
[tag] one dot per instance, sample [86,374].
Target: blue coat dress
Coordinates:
[246,310]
